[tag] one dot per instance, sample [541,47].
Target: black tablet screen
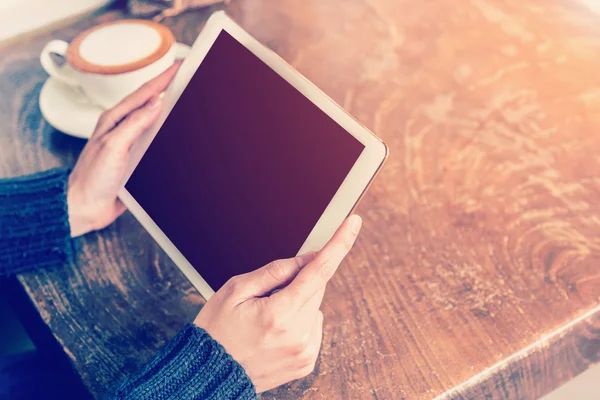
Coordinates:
[242,168]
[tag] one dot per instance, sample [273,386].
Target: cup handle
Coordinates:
[56,47]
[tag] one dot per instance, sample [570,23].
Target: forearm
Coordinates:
[190,366]
[34,222]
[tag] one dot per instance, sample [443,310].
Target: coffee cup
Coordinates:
[112,60]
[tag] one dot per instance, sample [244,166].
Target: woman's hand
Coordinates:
[277,337]
[99,172]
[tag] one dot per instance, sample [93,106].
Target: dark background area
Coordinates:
[32,363]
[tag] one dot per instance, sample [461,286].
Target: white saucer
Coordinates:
[69,111]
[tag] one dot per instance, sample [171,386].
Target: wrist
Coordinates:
[79,221]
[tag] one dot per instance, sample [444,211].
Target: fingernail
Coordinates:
[155,102]
[355,223]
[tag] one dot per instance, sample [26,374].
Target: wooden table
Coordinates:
[477,273]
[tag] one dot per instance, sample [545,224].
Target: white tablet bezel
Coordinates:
[345,199]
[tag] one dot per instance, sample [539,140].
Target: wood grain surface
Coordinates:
[477,273]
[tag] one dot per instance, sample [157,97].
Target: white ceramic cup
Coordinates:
[112,60]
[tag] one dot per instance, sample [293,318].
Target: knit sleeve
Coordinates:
[34,222]
[190,366]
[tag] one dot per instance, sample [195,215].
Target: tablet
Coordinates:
[248,163]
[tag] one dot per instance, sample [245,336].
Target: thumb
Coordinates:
[136,123]
[275,275]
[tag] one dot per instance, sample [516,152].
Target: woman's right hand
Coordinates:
[277,336]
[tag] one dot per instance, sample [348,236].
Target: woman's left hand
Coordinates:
[100,170]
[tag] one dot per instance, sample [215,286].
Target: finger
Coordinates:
[274,275]
[150,89]
[136,123]
[319,271]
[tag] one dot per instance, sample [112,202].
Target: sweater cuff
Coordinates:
[34,222]
[191,366]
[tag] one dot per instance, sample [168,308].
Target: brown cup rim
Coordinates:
[81,64]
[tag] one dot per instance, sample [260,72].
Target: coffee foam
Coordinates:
[119,44]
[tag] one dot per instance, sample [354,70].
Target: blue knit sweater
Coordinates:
[35,233]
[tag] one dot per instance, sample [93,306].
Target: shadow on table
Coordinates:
[41,371]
